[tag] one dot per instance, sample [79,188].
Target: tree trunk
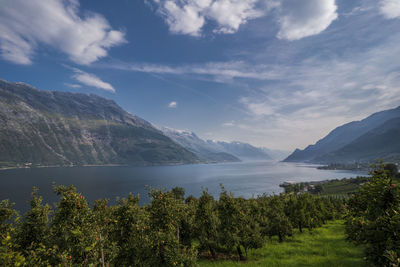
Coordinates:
[300,227]
[178,235]
[212,252]
[102,254]
[162,256]
[239,251]
[280,238]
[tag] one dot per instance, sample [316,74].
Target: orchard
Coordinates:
[170,230]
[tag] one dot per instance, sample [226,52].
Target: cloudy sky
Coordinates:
[274,73]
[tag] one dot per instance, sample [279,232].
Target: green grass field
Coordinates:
[325,246]
[339,188]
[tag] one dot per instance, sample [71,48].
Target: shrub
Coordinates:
[373,218]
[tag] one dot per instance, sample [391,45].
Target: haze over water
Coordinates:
[245,179]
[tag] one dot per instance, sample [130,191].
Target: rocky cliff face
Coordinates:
[60,128]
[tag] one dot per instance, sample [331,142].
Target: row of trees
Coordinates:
[373,218]
[169,231]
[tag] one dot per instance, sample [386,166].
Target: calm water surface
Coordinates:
[243,179]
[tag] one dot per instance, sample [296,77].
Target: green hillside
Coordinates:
[42,128]
[367,140]
[381,142]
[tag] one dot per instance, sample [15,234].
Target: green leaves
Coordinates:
[168,231]
[373,217]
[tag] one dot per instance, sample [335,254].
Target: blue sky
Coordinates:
[274,73]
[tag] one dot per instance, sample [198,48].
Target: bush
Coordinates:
[373,218]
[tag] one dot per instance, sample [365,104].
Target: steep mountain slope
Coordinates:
[60,128]
[341,136]
[382,142]
[202,149]
[241,150]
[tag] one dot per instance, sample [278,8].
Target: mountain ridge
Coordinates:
[207,149]
[341,137]
[380,143]
[62,128]
[241,150]
[193,143]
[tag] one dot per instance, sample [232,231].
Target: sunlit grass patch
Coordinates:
[325,246]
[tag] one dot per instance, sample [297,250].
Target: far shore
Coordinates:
[87,165]
[107,165]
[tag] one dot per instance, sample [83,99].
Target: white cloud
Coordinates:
[189,16]
[230,14]
[303,18]
[297,18]
[390,8]
[185,19]
[173,104]
[24,25]
[91,80]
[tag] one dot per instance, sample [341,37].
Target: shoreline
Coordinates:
[316,166]
[92,165]
[111,165]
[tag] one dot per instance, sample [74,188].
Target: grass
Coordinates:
[325,246]
[343,187]
[339,188]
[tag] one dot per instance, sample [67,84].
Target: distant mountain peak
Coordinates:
[201,148]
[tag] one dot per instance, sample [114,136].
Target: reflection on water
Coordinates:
[243,179]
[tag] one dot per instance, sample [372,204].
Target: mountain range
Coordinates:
[206,152]
[216,151]
[60,128]
[244,151]
[54,128]
[375,137]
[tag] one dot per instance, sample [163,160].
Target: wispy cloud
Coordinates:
[73,85]
[220,70]
[25,25]
[173,104]
[91,80]
[313,98]
[229,124]
[296,104]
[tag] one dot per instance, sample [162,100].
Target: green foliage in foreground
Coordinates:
[374,218]
[169,231]
[324,246]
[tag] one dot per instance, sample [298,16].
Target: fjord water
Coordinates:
[245,179]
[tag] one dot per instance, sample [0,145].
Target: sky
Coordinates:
[275,73]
